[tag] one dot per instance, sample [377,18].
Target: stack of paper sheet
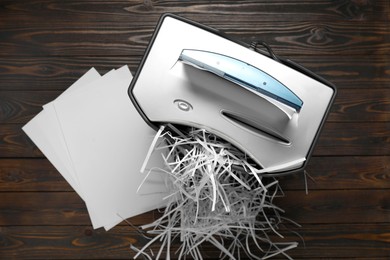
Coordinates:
[97,140]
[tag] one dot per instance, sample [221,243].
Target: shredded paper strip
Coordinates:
[218,197]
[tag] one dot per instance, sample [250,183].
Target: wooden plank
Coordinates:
[42,208]
[65,243]
[58,73]
[81,242]
[329,173]
[343,241]
[15,143]
[351,105]
[20,12]
[30,175]
[345,139]
[21,106]
[49,208]
[319,206]
[337,206]
[113,39]
[365,105]
[346,172]
[348,71]
[336,139]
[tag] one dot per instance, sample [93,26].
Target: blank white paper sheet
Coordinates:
[97,140]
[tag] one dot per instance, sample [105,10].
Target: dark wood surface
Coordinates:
[45,45]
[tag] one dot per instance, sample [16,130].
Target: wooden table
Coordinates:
[45,45]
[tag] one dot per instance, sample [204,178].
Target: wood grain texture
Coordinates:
[22,106]
[30,175]
[349,27]
[343,173]
[341,206]
[285,37]
[49,208]
[321,241]
[46,45]
[129,11]
[354,139]
[15,143]
[319,206]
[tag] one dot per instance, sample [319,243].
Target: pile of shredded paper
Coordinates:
[218,197]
